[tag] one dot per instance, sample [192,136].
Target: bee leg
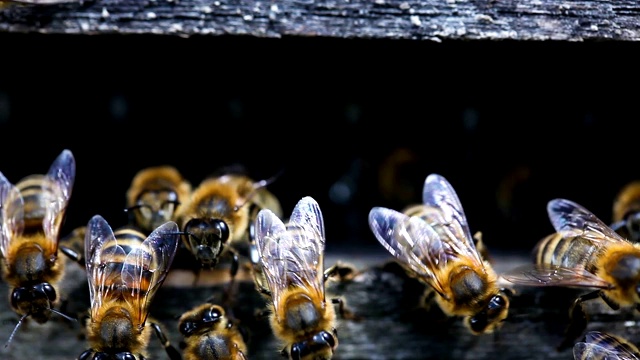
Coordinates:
[172,352]
[577,320]
[73,255]
[343,311]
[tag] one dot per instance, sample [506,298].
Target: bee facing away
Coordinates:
[219,216]
[210,335]
[31,214]
[125,269]
[438,250]
[154,196]
[626,212]
[603,346]
[583,253]
[292,260]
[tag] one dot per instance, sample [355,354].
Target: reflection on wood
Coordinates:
[392,325]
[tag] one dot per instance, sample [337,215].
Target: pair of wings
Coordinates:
[132,272]
[292,254]
[427,246]
[52,200]
[575,222]
[603,346]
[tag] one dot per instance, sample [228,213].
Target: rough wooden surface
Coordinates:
[407,19]
[392,327]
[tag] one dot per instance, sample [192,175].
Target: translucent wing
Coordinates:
[412,241]
[103,255]
[292,255]
[57,186]
[571,219]
[451,223]
[599,345]
[550,275]
[146,266]
[11,213]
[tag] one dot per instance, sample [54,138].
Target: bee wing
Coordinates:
[11,213]
[292,255]
[599,345]
[412,241]
[102,271]
[550,275]
[572,219]
[147,265]
[450,221]
[57,187]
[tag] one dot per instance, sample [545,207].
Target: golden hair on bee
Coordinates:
[433,242]
[31,214]
[209,334]
[125,269]
[626,212]
[155,194]
[583,253]
[292,260]
[599,345]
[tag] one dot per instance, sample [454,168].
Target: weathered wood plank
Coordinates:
[398,19]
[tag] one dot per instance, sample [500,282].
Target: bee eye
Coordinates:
[222,230]
[296,352]
[497,302]
[188,327]
[478,323]
[48,290]
[326,338]
[17,296]
[125,356]
[212,315]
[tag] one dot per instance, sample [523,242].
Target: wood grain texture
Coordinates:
[435,20]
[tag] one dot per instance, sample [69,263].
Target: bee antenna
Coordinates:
[15,329]
[63,315]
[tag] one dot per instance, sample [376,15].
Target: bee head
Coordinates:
[319,347]
[491,317]
[35,300]
[203,318]
[153,208]
[206,239]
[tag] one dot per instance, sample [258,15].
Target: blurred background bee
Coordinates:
[218,219]
[124,270]
[154,196]
[436,246]
[31,214]
[603,346]
[209,334]
[626,212]
[292,258]
[584,253]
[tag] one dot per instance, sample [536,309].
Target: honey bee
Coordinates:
[436,247]
[626,212]
[125,269]
[583,253]
[154,196]
[292,258]
[209,334]
[31,214]
[603,346]
[218,219]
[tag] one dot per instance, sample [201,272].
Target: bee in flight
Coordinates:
[603,346]
[154,196]
[209,334]
[218,219]
[125,269]
[626,212]
[31,214]
[437,247]
[292,260]
[583,253]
